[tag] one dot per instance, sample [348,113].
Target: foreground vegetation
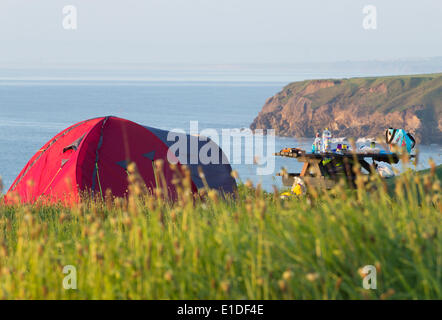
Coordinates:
[256,246]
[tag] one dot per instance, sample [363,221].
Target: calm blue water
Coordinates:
[31,112]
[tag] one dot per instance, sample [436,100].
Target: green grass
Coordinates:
[257,246]
[437,172]
[401,92]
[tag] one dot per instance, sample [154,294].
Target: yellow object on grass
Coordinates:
[286,195]
[297,189]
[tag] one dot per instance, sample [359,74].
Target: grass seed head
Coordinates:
[282,285]
[3,250]
[390,292]
[131,167]
[361,272]
[159,164]
[225,286]
[378,266]
[213,195]
[287,275]
[312,276]
[338,283]
[168,276]
[63,217]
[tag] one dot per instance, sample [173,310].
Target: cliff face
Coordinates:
[357,107]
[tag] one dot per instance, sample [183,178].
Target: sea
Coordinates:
[34,109]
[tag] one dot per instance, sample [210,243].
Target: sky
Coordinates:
[112,32]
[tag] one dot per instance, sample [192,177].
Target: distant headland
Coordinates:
[357,107]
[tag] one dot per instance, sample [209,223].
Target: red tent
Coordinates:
[93,155]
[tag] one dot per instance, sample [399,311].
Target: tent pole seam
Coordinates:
[100,143]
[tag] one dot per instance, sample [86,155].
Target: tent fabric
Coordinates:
[93,155]
[218,175]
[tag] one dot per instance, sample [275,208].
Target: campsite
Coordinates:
[220,159]
[169,238]
[94,156]
[109,208]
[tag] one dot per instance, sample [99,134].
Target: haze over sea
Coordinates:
[35,105]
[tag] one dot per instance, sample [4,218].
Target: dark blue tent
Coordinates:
[217,174]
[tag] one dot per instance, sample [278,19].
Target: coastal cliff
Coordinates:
[357,107]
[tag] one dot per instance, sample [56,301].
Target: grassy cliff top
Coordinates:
[385,94]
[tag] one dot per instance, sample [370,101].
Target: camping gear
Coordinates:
[400,138]
[325,169]
[369,149]
[385,170]
[286,195]
[292,151]
[316,147]
[298,187]
[326,140]
[93,156]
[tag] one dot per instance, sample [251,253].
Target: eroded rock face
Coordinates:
[360,107]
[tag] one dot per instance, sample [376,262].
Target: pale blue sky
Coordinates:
[216,31]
